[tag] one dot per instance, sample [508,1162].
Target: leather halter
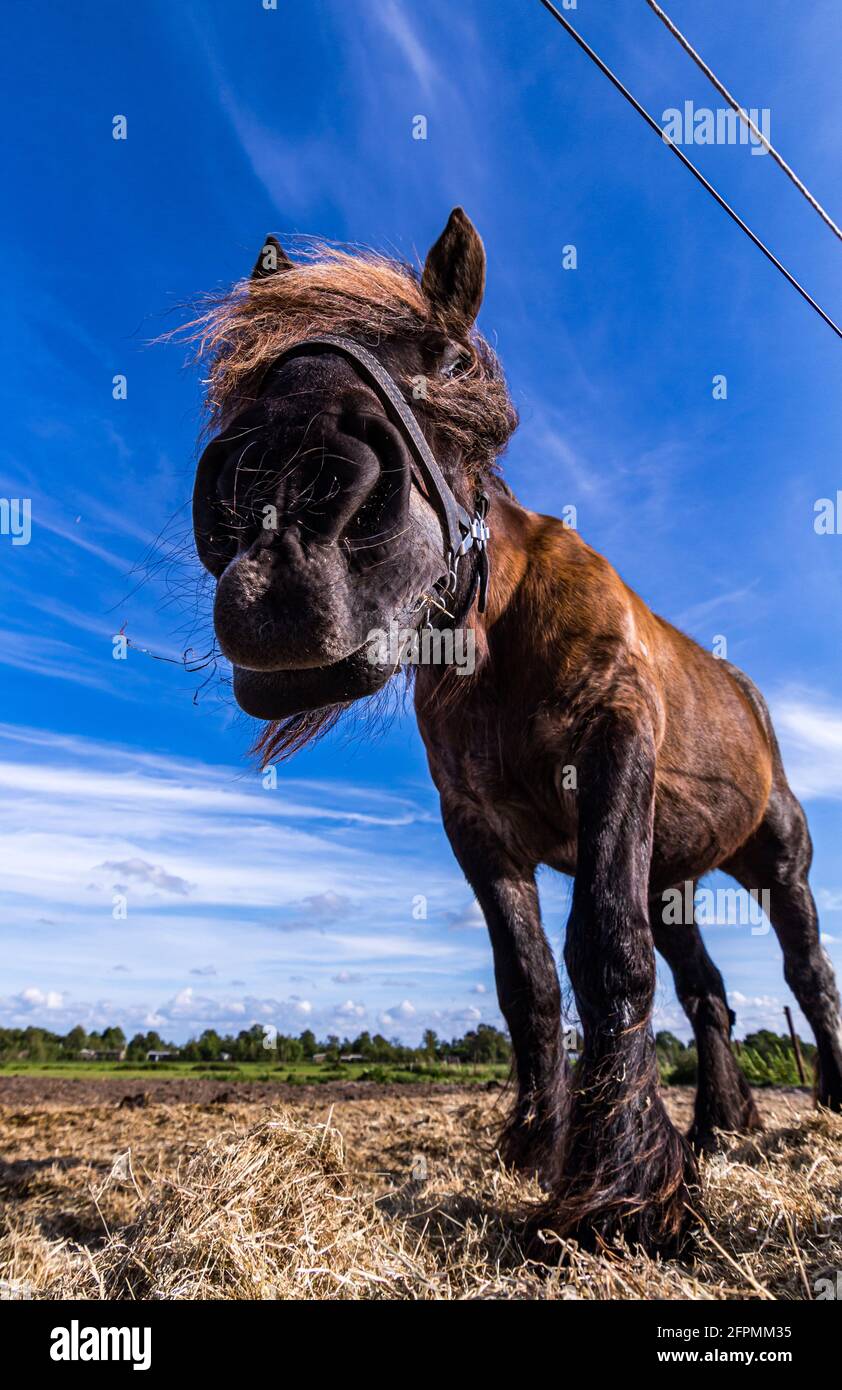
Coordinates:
[461,531]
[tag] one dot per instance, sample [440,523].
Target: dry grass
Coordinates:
[242,1202]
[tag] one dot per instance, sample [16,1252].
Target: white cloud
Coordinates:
[810,731]
[178,827]
[350,1011]
[327,905]
[692,618]
[320,910]
[213,864]
[226,1011]
[32,998]
[393,18]
[400,1013]
[761,1011]
[140,871]
[471,916]
[186,1013]
[50,656]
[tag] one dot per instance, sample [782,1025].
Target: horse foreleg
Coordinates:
[626,1169]
[528,993]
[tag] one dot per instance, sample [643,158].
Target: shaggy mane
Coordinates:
[359,295]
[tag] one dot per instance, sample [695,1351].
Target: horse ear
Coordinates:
[272,258]
[454,273]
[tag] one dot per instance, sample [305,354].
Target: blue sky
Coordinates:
[297,905]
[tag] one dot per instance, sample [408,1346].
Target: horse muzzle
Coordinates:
[304,511]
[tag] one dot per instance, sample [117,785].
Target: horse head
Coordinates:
[331,381]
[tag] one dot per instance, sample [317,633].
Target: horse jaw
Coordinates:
[328,650]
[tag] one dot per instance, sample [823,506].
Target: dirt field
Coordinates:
[190,1190]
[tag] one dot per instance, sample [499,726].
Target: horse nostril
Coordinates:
[331,467]
[380,496]
[216,543]
[215,519]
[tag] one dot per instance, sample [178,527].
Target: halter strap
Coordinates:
[461,531]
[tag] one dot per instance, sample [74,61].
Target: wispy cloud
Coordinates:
[809,728]
[52,657]
[140,872]
[209,864]
[77,537]
[701,612]
[470,917]
[394,20]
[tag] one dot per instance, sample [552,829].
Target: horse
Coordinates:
[351,480]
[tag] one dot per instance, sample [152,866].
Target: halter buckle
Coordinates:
[477,535]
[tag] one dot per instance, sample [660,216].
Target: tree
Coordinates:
[38,1047]
[363,1045]
[210,1045]
[142,1043]
[75,1040]
[486,1044]
[290,1049]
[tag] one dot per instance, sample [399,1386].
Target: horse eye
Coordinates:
[454,362]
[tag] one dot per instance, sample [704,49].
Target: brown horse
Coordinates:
[591,736]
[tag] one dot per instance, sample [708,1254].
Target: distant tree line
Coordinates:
[40,1045]
[765,1057]
[256,1044]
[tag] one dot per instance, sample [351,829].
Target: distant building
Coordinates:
[113,1054]
[225,1056]
[319,1056]
[161,1056]
[351,1057]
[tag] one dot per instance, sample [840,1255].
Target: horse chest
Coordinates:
[527,803]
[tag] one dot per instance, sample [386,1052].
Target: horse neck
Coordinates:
[510,626]
[512,537]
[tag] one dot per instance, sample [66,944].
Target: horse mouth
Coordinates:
[279,694]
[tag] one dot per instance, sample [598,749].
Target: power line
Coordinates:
[688,163]
[743,115]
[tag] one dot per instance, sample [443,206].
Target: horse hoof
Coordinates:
[663,1231]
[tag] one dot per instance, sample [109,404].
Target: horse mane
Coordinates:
[374,299]
[357,294]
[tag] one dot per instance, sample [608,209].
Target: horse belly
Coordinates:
[703,816]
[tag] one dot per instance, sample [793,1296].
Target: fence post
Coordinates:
[799,1061]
